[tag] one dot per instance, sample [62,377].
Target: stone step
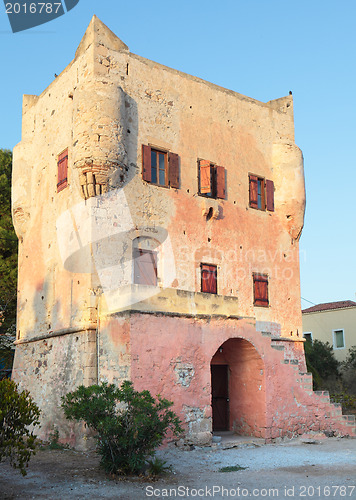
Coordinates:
[266,334]
[349,418]
[323,395]
[278,347]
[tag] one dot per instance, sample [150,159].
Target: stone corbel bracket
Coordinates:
[210,209]
[95,179]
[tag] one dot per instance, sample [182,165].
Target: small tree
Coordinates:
[321,362]
[350,361]
[8,264]
[349,373]
[129,424]
[17,412]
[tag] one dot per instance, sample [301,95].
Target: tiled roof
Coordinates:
[329,306]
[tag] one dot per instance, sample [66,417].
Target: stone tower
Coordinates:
[158,218]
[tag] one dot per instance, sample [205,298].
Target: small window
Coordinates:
[160,167]
[261,193]
[62,171]
[308,337]
[338,339]
[209,278]
[212,180]
[260,290]
[145,267]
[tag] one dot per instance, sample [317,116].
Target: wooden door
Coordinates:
[220,397]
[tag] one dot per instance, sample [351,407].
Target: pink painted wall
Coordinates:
[247,390]
[270,394]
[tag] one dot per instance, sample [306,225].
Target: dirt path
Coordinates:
[323,469]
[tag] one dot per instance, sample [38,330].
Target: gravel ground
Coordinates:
[296,469]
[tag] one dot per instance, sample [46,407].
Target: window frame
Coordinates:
[306,338]
[62,181]
[171,166]
[265,198]
[203,281]
[139,252]
[334,338]
[260,278]
[157,169]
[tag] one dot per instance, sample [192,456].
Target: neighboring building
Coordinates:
[333,322]
[158,218]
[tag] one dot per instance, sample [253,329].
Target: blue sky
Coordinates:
[260,48]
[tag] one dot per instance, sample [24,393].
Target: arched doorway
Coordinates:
[238,389]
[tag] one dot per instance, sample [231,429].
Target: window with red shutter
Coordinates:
[261,193]
[173,170]
[260,290]
[270,195]
[212,180]
[209,278]
[62,171]
[145,267]
[160,167]
[253,182]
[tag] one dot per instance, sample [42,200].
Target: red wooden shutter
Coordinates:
[205,182]
[145,270]
[173,160]
[146,163]
[253,191]
[270,195]
[208,278]
[220,182]
[260,283]
[62,174]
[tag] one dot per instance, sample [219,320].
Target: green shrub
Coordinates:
[129,424]
[232,468]
[321,362]
[17,411]
[157,466]
[350,361]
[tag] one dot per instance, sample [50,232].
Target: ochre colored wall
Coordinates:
[321,325]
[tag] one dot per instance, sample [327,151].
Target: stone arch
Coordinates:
[245,389]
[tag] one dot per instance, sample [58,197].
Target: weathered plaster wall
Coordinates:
[166,108]
[269,394]
[52,367]
[50,297]
[103,107]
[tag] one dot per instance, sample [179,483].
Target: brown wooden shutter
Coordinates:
[260,283]
[220,182]
[253,191]
[173,161]
[270,195]
[146,163]
[208,278]
[145,270]
[205,181]
[62,174]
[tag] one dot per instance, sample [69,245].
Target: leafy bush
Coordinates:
[321,362]
[17,411]
[347,401]
[157,466]
[350,361]
[8,264]
[129,424]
